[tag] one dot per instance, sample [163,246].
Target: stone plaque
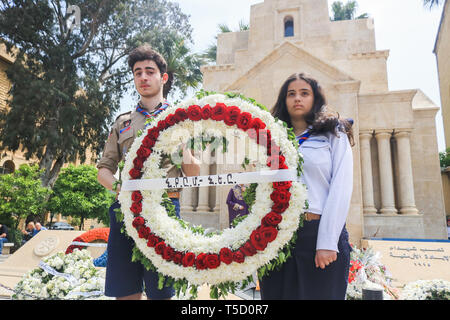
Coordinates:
[409,261]
[46,246]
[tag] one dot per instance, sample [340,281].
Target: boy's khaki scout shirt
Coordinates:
[118,144]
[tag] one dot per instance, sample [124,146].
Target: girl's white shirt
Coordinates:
[328,176]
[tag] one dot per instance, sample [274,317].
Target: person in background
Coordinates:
[29,232]
[236,204]
[448,227]
[38,227]
[3,236]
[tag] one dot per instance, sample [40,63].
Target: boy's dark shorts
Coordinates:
[123,277]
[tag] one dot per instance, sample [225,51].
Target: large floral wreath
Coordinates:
[183,255]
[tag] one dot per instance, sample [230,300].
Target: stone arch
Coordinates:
[8,166]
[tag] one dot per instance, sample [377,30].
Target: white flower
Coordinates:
[426,289]
[37,284]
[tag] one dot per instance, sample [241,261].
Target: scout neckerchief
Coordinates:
[303,138]
[153,113]
[147,114]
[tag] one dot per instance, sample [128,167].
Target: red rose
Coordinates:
[200,262]
[248,249]
[153,133]
[257,124]
[282,166]
[238,256]
[280,196]
[159,247]
[170,119]
[168,253]
[275,161]
[272,219]
[138,163]
[212,261]
[188,259]
[243,121]
[269,233]
[138,221]
[194,113]
[162,125]
[148,143]
[206,112]
[226,255]
[257,240]
[135,173]
[231,115]
[143,152]
[180,115]
[136,207]
[178,256]
[218,112]
[144,232]
[152,240]
[136,196]
[282,185]
[280,207]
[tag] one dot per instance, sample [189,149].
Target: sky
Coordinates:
[405,27]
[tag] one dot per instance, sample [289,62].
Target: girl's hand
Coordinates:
[324,258]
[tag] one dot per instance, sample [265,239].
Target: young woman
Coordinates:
[319,266]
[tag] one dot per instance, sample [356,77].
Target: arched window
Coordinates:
[288,27]
[8,167]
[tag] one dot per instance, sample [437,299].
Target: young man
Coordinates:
[124,279]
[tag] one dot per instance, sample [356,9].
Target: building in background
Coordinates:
[397,188]
[442,52]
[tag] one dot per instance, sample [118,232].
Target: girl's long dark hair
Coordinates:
[321,118]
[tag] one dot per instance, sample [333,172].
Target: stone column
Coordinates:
[386,178]
[219,167]
[187,200]
[406,182]
[366,172]
[203,192]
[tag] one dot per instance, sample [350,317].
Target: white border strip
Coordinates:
[211,180]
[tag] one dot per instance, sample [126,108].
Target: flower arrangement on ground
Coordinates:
[184,255]
[366,271]
[63,276]
[436,289]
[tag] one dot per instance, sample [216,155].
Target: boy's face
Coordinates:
[148,79]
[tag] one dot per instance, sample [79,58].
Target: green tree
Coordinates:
[210,53]
[183,67]
[67,79]
[432,3]
[345,11]
[78,194]
[21,196]
[444,159]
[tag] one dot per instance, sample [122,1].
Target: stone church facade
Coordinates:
[397,188]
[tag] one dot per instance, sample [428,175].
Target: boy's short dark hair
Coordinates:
[145,52]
